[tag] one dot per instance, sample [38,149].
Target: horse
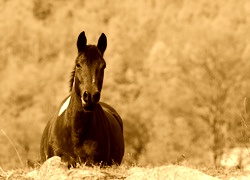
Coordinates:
[83,129]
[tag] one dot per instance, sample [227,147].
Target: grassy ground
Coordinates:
[222,173]
[85,173]
[54,169]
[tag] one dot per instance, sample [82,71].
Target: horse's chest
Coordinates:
[90,148]
[93,139]
[95,149]
[88,152]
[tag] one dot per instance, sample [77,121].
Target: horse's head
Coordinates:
[89,70]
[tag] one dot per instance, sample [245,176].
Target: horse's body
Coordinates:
[84,130]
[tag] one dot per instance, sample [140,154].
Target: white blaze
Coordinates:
[64,106]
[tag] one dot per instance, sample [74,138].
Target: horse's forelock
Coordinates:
[91,53]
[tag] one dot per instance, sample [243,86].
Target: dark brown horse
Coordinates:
[84,130]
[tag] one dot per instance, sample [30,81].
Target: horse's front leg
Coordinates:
[66,158]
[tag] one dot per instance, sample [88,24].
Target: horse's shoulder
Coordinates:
[113,112]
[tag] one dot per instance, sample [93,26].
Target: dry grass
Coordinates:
[222,173]
[55,169]
[15,174]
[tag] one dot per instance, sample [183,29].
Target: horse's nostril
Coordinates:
[96,97]
[86,96]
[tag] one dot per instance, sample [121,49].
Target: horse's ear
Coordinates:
[81,41]
[102,43]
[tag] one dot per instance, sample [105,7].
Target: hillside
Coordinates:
[177,73]
[55,169]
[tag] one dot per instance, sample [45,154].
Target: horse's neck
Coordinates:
[76,115]
[74,104]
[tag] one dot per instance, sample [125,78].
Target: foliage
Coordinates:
[177,72]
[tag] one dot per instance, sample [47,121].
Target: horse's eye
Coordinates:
[78,65]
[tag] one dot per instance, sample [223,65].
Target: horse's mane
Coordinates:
[71,81]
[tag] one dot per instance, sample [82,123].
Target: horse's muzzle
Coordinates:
[89,100]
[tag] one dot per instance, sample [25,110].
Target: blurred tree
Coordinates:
[42,9]
[137,136]
[245,123]
[216,73]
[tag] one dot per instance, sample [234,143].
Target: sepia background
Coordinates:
[177,72]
